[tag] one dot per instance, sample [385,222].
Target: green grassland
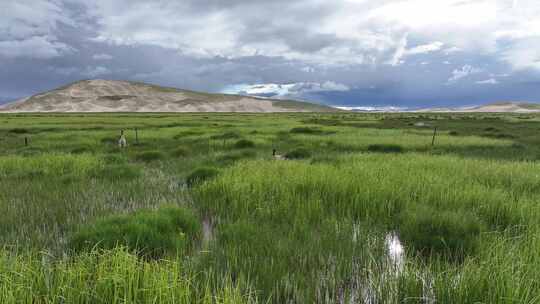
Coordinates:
[197,210]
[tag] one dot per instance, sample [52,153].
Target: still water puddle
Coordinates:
[395,253]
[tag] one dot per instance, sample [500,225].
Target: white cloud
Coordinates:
[102,57]
[402,52]
[463,72]
[524,55]
[66,71]
[291,90]
[488,81]
[33,47]
[339,32]
[93,72]
[308,69]
[28,29]
[373,108]
[426,48]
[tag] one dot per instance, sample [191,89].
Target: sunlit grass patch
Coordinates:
[52,165]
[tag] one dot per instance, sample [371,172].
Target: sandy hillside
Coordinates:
[126,96]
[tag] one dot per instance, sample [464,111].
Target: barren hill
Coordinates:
[127,96]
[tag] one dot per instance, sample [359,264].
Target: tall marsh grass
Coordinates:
[310,230]
[115,276]
[297,216]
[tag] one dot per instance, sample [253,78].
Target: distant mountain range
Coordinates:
[502,107]
[497,107]
[127,96]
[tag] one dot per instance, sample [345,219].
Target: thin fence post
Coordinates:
[26,141]
[434,134]
[136,136]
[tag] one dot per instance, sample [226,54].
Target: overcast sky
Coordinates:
[403,53]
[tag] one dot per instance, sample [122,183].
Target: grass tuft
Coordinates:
[150,233]
[200,175]
[449,234]
[306,130]
[19,131]
[227,135]
[298,153]
[244,144]
[115,172]
[180,152]
[386,148]
[149,156]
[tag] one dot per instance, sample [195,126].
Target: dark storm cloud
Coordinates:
[344,52]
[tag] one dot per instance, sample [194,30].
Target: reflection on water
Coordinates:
[396,252]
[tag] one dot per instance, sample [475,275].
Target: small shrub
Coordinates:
[81,150]
[19,131]
[500,216]
[227,135]
[499,135]
[306,130]
[180,152]
[453,133]
[115,158]
[298,153]
[69,179]
[200,175]
[149,156]
[151,233]
[440,233]
[504,135]
[244,144]
[186,134]
[118,172]
[31,151]
[232,157]
[242,232]
[329,159]
[385,148]
[109,140]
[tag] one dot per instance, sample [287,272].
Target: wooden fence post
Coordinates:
[26,141]
[434,134]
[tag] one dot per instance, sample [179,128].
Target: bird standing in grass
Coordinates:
[122,142]
[277,156]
